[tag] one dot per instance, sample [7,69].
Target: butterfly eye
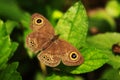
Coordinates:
[38,21]
[73,55]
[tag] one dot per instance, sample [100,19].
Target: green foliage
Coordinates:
[10,73]
[7,48]
[102,21]
[110,74]
[10,25]
[56,76]
[105,42]
[73,25]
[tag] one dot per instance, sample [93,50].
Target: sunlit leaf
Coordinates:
[105,42]
[73,25]
[3,31]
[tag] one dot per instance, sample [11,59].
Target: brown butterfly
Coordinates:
[51,49]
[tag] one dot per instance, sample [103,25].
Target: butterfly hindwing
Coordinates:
[51,55]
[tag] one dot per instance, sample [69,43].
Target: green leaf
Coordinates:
[26,20]
[62,77]
[105,42]
[3,31]
[73,25]
[57,77]
[93,59]
[110,74]
[10,25]
[113,8]
[6,46]
[13,48]
[4,50]
[10,73]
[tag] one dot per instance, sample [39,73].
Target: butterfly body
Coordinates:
[52,49]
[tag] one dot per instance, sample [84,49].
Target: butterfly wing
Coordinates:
[36,40]
[39,22]
[61,50]
[51,55]
[70,55]
[42,33]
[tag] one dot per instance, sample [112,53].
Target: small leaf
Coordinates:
[73,25]
[3,31]
[6,50]
[26,20]
[13,48]
[10,73]
[10,25]
[105,42]
[93,59]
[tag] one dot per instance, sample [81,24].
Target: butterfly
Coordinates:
[50,48]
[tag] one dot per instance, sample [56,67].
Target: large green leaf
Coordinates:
[105,42]
[93,59]
[73,25]
[10,73]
